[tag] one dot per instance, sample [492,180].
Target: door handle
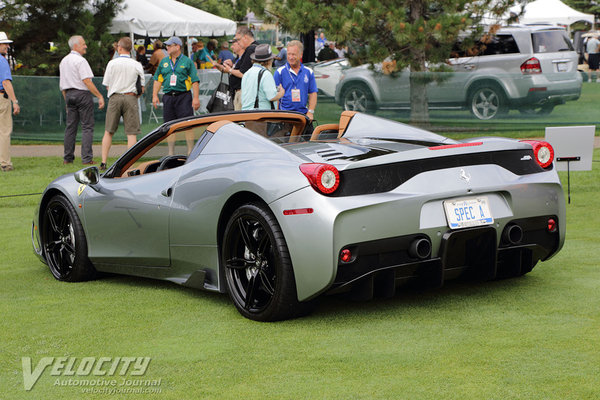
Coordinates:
[167,192]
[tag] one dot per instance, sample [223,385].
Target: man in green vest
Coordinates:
[177,75]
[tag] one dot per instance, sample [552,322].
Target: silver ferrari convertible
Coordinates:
[263,206]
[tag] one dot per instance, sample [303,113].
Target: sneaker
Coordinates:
[7,168]
[102,166]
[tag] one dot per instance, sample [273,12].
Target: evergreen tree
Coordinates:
[33,25]
[418,34]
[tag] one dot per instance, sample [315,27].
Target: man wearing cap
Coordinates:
[281,57]
[258,85]
[7,96]
[298,81]
[244,38]
[177,75]
[120,80]
[77,89]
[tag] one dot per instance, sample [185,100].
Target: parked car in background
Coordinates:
[528,68]
[328,74]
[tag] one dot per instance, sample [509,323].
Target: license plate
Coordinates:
[463,213]
[562,67]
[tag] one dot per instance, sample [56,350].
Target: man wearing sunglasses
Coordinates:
[244,40]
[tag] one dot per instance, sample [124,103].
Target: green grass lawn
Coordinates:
[535,337]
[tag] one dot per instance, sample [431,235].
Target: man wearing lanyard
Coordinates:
[298,81]
[178,75]
[120,81]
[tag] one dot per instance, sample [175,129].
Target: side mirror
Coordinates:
[88,176]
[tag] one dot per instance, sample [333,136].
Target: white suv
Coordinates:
[529,68]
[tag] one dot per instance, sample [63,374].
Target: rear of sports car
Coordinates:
[389,211]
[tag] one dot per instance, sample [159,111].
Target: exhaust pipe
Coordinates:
[513,234]
[420,248]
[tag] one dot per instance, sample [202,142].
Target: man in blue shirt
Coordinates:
[298,81]
[7,96]
[281,58]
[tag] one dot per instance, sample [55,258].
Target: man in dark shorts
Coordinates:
[591,48]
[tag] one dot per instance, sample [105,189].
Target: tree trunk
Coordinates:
[419,110]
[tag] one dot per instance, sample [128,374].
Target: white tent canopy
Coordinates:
[552,12]
[169,17]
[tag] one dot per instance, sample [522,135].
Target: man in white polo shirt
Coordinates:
[76,85]
[120,81]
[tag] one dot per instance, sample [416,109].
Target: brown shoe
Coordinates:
[89,163]
[67,162]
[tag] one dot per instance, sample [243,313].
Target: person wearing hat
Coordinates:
[77,88]
[176,74]
[298,81]
[225,54]
[7,96]
[281,57]
[258,85]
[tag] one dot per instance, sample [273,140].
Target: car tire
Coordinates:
[258,268]
[358,97]
[487,101]
[64,243]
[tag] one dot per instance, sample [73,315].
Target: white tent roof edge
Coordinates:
[167,17]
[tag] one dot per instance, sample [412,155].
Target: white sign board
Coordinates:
[572,141]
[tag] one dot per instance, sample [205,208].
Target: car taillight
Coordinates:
[325,178]
[531,66]
[542,151]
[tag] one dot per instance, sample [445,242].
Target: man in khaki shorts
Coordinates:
[120,81]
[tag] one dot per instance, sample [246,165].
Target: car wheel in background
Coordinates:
[63,242]
[258,268]
[487,101]
[358,97]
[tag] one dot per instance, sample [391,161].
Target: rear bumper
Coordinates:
[540,97]
[479,252]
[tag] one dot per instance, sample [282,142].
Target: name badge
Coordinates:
[295,95]
[173,81]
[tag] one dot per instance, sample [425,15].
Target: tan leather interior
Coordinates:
[216,125]
[344,121]
[298,122]
[321,128]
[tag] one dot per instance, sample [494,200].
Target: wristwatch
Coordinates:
[16,102]
[311,111]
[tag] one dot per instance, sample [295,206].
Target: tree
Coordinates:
[418,34]
[32,25]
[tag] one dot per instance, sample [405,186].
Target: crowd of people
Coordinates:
[248,64]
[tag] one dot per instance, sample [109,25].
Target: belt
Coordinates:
[175,93]
[127,94]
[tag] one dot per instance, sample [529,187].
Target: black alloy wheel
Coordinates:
[63,242]
[258,269]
